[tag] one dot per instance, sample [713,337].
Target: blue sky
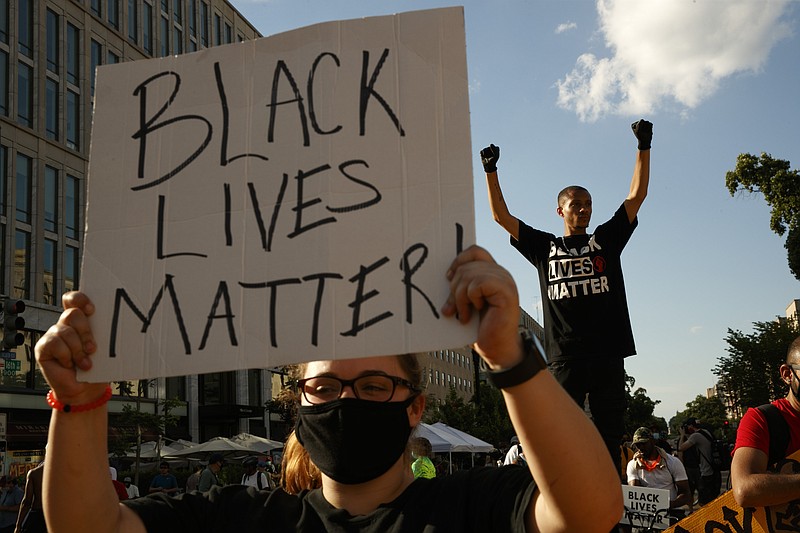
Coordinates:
[556,84]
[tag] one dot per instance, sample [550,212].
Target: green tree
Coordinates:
[748,375]
[640,409]
[710,412]
[781,189]
[484,416]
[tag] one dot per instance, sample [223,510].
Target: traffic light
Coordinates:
[12,324]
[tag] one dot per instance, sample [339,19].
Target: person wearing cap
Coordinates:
[765,436]
[697,438]
[164,481]
[133,490]
[209,476]
[252,477]
[653,467]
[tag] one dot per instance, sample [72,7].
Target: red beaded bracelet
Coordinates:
[67,408]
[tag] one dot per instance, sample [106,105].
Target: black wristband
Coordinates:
[532,362]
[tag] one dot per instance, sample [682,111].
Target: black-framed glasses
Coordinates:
[371,387]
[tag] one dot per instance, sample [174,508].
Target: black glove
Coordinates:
[489,157]
[644,133]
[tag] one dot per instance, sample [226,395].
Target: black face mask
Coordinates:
[353,441]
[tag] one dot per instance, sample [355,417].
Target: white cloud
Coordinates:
[566,26]
[695,329]
[665,51]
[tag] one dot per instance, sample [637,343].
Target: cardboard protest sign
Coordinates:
[724,514]
[645,507]
[292,198]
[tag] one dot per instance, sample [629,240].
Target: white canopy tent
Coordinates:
[257,444]
[446,439]
[227,447]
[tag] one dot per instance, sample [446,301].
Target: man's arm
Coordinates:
[641,171]
[685,442]
[684,496]
[27,502]
[753,486]
[489,157]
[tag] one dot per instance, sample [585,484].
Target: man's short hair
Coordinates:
[164,464]
[793,353]
[568,192]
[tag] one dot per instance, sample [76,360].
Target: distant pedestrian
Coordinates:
[10,500]
[209,477]
[194,479]
[164,481]
[252,477]
[31,516]
[421,451]
[133,490]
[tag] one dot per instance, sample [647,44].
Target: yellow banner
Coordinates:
[724,515]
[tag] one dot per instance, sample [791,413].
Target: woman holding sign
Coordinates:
[355,419]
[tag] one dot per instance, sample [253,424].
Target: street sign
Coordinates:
[8,355]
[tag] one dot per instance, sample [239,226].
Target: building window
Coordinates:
[95,7]
[96,59]
[133,22]
[177,46]
[254,387]
[4,21]
[164,37]
[70,268]
[217,30]
[20,276]
[147,28]
[112,58]
[71,207]
[193,18]
[25,95]
[52,41]
[23,188]
[51,109]
[3,181]
[73,120]
[73,54]
[3,83]
[217,388]
[50,199]
[25,27]
[113,13]
[204,24]
[176,387]
[228,34]
[177,11]
[49,272]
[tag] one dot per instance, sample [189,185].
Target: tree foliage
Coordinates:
[781,189]
[484,416]
[748,375]
[709,412]
[640,409]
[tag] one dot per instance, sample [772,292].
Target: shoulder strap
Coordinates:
[259,475]
[706,434]
[778,432]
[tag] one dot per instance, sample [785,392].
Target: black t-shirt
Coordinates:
[482,499]
[580,276]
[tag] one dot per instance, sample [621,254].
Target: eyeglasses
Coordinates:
[371,387]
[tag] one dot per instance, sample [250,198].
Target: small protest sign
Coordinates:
[291,198]
[645,507]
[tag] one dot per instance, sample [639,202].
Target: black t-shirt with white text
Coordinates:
[583,290]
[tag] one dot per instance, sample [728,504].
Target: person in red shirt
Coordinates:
[753,485]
